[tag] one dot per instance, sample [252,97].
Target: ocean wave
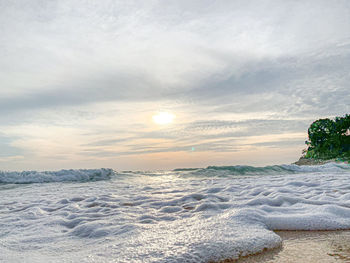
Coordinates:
[72,175]
[245,170]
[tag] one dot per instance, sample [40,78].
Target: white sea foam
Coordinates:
[174,216]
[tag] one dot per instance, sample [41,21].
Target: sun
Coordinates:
[163,118]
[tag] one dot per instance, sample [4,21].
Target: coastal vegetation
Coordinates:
[329,139]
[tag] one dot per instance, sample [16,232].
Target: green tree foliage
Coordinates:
[329,139]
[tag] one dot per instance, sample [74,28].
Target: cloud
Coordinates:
[93,74]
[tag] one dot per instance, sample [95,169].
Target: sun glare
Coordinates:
[163,118]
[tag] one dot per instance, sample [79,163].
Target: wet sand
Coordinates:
[306,247]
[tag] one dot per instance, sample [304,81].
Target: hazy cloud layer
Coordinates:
[80,80]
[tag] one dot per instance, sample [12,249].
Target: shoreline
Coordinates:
[304,247]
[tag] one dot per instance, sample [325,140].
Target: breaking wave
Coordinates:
[86,175]
[245,170]
[78,175]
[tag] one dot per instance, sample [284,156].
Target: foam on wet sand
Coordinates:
[305,247]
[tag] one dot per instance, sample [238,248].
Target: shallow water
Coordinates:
[171,216]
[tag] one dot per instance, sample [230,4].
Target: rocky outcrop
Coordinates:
[309,161]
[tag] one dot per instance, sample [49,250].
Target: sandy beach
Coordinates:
[306,247]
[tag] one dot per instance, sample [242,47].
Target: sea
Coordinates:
[182,215]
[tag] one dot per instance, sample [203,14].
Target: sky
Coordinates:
[80,81]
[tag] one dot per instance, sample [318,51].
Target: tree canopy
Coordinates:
[329,139]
